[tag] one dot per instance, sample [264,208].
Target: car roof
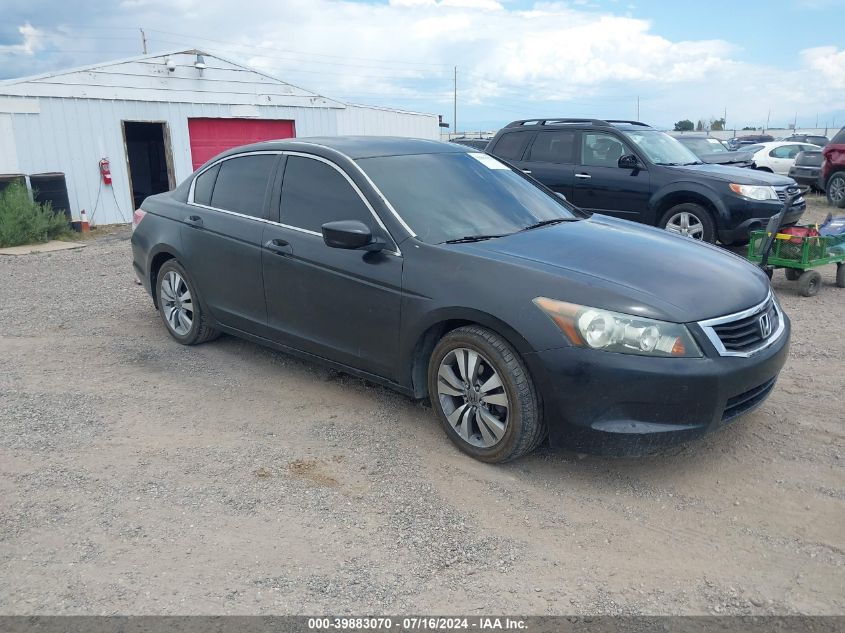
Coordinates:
[355,147]
[549,123]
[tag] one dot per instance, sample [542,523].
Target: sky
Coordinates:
[656,60]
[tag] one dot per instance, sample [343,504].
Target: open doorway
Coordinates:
[148,159]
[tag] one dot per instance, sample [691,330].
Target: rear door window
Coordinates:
[314,193]
[839,139]
[242,184]
[553,147]
[511,146]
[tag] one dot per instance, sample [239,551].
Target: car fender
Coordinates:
[679,188]
[420,339]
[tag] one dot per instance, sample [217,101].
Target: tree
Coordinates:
[749,127]
[684,125]
[700,126]
[717,124]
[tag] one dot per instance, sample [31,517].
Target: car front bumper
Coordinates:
[622,404]
[753,215]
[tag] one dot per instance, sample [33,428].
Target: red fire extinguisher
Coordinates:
[105,171]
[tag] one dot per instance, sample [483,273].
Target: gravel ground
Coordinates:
[141,477]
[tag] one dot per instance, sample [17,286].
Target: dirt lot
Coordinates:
[139,476]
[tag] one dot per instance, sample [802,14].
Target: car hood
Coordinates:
[739,175]
[644,270]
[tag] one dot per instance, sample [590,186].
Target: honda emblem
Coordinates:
[765,325]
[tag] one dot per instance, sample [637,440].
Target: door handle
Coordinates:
[584,176]
[526,171]
[278,246]
[195,220]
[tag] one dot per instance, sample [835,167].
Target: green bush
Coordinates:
[24,221]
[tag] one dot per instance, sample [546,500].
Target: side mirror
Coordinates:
[351,235]
[628,161]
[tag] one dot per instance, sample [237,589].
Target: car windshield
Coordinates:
[451,196]
[661,149]
[750,148]
[703,146]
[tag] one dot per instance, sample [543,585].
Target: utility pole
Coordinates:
[768,116]
[143,40]
[725,119]
[455,103]
[638,107]
[795,122]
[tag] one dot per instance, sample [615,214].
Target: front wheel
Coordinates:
[482,393]
[180,307]
[689,220]
[792,274]
[835,190]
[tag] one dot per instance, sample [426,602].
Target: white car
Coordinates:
[777,156]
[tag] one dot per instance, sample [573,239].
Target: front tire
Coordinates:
[180,307]
[835,190]
[689,220]
[483,395]
[792,274]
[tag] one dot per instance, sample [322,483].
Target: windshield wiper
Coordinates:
[473,238]
[537,225]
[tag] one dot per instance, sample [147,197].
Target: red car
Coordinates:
[833,170]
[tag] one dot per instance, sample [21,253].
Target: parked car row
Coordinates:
[446,273]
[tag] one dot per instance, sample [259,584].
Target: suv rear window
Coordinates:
[839,139]
[511,146]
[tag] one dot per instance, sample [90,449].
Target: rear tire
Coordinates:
[809,283]
[496,424]
[180,306]
[792,274]
[690,220]
[835,190]
[840,275]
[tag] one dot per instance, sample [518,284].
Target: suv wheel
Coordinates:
[836,189]
[180,307]
[690,220]
[482,393]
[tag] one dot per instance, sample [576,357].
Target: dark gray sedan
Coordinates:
[445,274]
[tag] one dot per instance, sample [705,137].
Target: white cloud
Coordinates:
[30,41]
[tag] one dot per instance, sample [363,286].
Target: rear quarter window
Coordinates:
[204,185]
[839,139]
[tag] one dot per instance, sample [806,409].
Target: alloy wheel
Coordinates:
[473,397]
[177,304]
[686,224]
[836,189]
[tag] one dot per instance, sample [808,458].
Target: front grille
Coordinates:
[747,333]
[786,191]
[745,402]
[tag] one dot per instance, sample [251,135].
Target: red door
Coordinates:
[209,137]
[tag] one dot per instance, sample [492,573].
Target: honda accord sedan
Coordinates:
[445,274]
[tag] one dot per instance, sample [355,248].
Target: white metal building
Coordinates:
[154,119]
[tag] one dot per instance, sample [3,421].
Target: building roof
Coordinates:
[147,78]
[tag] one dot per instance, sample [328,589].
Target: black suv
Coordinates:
[630,170]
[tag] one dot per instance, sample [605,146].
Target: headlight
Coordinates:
[755,192]
[615,332]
